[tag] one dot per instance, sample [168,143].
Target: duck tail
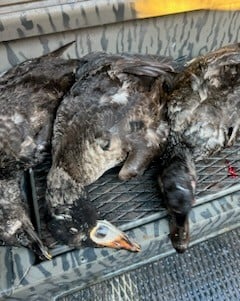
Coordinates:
[59,51]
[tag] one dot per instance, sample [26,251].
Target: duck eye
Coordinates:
[101,232]
[73,230]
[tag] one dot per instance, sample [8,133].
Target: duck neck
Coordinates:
[175,148]
[62,190]
[177,163]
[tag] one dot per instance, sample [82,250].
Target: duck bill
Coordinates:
[104,234]
[123,242]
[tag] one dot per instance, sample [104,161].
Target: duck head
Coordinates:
[178,192]
[177,182]
[177,176]
[78,225]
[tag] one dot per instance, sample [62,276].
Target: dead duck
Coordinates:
[203,113]
[30,93]
[111,115]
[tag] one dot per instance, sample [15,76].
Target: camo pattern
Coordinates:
[79,268]
[111,26]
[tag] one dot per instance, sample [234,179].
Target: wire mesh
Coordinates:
[123,202]
[208,271]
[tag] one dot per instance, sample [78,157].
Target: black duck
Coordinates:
[203,113]
[30,94]
[111,115]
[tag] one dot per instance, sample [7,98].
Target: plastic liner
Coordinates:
[208,271]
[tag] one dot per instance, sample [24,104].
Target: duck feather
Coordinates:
[203,113]
[30,94]
[111,115]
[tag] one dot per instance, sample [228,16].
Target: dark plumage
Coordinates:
[110,116]
[30,94]
[177,180]
[203,113]
[204,107]
[16,228]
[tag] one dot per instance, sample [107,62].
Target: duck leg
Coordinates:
[137,161]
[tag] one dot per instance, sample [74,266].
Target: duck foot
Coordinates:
[179,234]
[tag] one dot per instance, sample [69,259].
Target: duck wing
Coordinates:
[223,75]
[120,66]
[16,73]
[204,108]
[112,93]
[30,94]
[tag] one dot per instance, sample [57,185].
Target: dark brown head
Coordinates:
[177,182]
[178,189]
[78,225]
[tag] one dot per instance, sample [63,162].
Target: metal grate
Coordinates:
[208,271]
[125,202]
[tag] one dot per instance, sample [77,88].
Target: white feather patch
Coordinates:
[13,227]
[198,86]
[28,142]
[17,118]
[121,97]
[181,188]
[152,138]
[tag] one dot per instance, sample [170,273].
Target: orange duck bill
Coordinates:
[104,234]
